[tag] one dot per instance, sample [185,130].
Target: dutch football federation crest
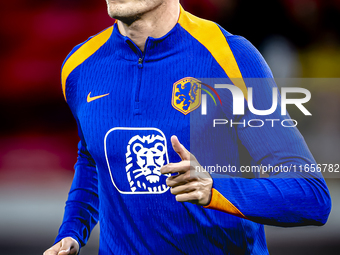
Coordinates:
[186,95]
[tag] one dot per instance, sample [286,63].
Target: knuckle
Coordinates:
[201,196]
[193,177]
[187,164]
[195,185]
[193,166]
[196,196]
[187,175]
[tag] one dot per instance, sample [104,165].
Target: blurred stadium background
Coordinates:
[298,38]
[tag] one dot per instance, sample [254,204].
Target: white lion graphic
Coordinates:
[144,158]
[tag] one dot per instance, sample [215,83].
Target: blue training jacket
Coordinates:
[128,104]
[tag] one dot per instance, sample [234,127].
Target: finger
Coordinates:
[50,252]
[73,251]
[191,197]
[180,167]
[53,250]
[69,246]
[182,189]
[179,148]
[65,247]
[181,179]
[177,180]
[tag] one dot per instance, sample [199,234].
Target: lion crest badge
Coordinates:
[186,95]
[139,161]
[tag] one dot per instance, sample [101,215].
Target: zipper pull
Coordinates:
[140,63]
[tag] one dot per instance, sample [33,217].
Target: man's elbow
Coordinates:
[324,209]
[317,214]
[311,209]
[316,203]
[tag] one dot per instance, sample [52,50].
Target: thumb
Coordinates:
[179,148]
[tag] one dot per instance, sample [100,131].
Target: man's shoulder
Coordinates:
[232,52]
[91,45]
[81,53]
[210,33]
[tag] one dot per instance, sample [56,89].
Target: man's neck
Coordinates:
[155,23]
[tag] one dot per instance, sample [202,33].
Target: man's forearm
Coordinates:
[279,201]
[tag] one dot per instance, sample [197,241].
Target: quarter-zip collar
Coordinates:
[155,48]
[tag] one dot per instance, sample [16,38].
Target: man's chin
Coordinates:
[125,19]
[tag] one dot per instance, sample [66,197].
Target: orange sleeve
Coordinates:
[220,203]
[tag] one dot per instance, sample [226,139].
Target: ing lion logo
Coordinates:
[186,95]
[145,156]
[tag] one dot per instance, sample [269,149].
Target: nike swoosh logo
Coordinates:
[90,99]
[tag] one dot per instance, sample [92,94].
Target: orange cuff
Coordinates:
[220,203]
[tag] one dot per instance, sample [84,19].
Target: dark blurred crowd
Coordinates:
[298,38]
[302,22]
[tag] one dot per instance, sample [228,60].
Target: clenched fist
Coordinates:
[67,246]
[191,184]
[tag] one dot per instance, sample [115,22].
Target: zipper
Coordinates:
[136,109]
